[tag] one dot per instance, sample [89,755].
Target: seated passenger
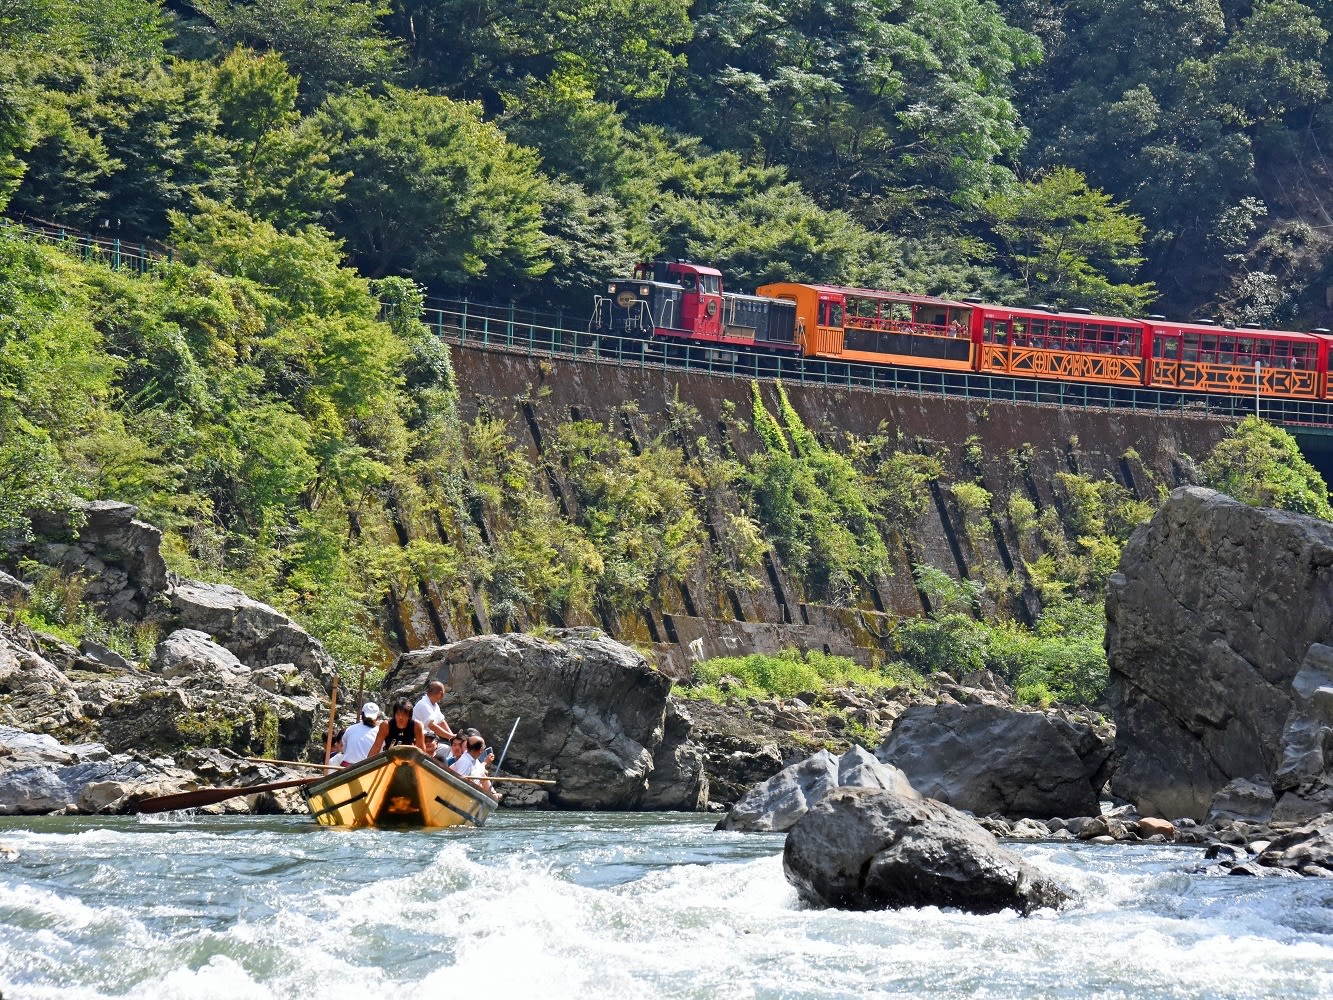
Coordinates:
[400,729]
[473,763]
[360,737]
[456,748]
[336,749]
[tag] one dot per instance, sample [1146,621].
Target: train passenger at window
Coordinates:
[955,329]
[1123,346]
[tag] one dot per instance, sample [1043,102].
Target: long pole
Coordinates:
[1258,367]
[500,762]
[333,720]
[360,692]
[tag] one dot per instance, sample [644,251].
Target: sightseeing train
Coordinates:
[667,302]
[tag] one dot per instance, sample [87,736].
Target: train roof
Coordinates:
[1072,314]
[1217,330]
[875,293]
[684,265]
[761,299]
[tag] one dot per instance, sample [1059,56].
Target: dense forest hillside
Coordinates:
[1106,154]
[268,396]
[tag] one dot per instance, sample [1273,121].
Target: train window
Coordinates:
[994,331]
[1020,332]
[1037,331]
[831,313]
[710,283]
[686,281]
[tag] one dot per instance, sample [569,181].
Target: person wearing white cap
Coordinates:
[360,737]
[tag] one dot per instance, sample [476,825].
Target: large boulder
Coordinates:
[677,781]
[1215,610]
[39,775]
[118,557]
[34,694]
[199,694]
[987,759]
[874,849]
[779,802]
[594,715]
[255,633]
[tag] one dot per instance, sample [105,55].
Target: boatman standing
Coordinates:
[427,711]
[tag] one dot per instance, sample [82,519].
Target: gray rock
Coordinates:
[255,633]
[1242,799]
[868,849]
[119,556]
[779,802]
[987,759]
[34,694]
[82,786]
[1306,847]
[677,780]
[593,714]
[103,655]
[1215,611]
[187,652]
[13,589]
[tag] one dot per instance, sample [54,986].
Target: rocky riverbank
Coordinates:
[84,729]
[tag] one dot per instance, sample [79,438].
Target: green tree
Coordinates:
[1168,103]
[434,191]
[121,146]
[328,44]
[1261,465]
[1068,243]
[282,172]
[484,49]
[877,104]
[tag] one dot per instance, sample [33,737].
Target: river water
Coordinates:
[620,906]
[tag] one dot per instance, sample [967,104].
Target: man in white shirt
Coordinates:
[360,737]
[473,763]
[427,712]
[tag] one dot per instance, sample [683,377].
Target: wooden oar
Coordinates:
[292,763]
[518,781]
[207,796]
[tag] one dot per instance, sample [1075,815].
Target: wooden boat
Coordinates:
[399,787]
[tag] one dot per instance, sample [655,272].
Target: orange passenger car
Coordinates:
[861,324]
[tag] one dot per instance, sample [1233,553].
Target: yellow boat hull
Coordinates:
[399,787]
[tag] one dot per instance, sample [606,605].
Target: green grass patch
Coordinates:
[782,675]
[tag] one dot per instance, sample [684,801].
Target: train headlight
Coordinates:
[611,289]
[644,291]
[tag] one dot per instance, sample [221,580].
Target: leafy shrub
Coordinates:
[781,674]
[1261,465]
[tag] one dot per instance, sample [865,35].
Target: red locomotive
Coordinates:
[669,301]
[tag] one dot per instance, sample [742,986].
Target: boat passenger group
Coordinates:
[422,726]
